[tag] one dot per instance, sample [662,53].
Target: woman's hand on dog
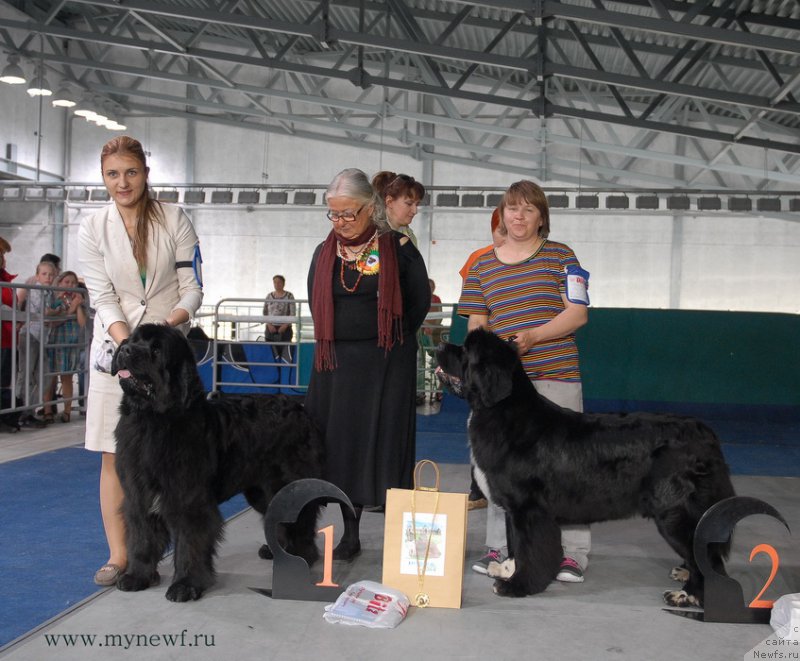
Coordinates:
[525,340]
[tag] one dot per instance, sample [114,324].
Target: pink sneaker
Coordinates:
[570,571]
[482,566]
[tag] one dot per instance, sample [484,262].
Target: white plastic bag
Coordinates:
[368,604]
[785,618]
[103,355]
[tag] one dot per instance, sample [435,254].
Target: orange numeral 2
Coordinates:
[758,602]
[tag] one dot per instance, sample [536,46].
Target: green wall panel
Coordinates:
[691,356]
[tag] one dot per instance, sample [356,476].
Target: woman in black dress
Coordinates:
[369,293]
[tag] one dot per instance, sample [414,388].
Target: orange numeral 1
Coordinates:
[758,602]
[327,555]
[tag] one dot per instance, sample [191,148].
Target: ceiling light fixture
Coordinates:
[106,119]
[63,98]
[100,118]
[13,73]
[39,85]
[84,108]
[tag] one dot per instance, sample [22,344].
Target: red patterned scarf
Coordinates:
[390,301]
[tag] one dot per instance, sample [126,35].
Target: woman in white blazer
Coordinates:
[141,263]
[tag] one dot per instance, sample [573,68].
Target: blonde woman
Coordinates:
[141,261]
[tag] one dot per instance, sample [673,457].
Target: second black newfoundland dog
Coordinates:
[179,455]
[546,466]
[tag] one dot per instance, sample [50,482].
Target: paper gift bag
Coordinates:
[424,542]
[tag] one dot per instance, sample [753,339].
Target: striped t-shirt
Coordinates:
[518,296]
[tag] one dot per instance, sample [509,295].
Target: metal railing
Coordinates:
[232,325]
[240,322]
[435,329]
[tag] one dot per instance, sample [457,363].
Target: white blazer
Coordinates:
[112,276]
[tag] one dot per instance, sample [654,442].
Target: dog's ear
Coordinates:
[185,384]
[490,381]
[189,384]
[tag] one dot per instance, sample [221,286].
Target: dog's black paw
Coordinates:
[309,553]
[184,590]
[137,582]
[509,589]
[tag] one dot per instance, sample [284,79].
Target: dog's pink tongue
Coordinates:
[124,374]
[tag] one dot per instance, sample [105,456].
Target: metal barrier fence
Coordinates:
[233,360]
[237,331]
[435,329]
[240,323]
[28,348]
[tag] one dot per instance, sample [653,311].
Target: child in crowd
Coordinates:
[32,334]
[65,360]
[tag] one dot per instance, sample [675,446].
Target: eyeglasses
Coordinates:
[343,216]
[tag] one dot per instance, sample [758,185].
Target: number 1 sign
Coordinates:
[291,575]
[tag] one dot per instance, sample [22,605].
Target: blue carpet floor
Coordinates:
[52,539]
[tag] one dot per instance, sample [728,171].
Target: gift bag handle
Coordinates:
[418,475]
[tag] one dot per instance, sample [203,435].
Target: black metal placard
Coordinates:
[291,575]
[723,596]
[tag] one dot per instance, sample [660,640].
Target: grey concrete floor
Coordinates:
[617,613]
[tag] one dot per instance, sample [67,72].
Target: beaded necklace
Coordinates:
[354,262]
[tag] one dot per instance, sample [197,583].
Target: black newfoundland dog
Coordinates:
[546,466]
[179,455]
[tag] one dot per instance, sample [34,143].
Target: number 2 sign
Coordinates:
[723,596]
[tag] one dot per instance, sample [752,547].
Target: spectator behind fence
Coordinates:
[33,333]
[8,421]
[22,294]
[64,361]
[86,341]
[279,303]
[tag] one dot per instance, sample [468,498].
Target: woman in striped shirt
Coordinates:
[533,290]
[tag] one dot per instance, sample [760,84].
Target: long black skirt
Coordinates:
[366,408]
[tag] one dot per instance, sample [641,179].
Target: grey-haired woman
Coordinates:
[369,293]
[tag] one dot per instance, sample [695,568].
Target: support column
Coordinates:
[424,229]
